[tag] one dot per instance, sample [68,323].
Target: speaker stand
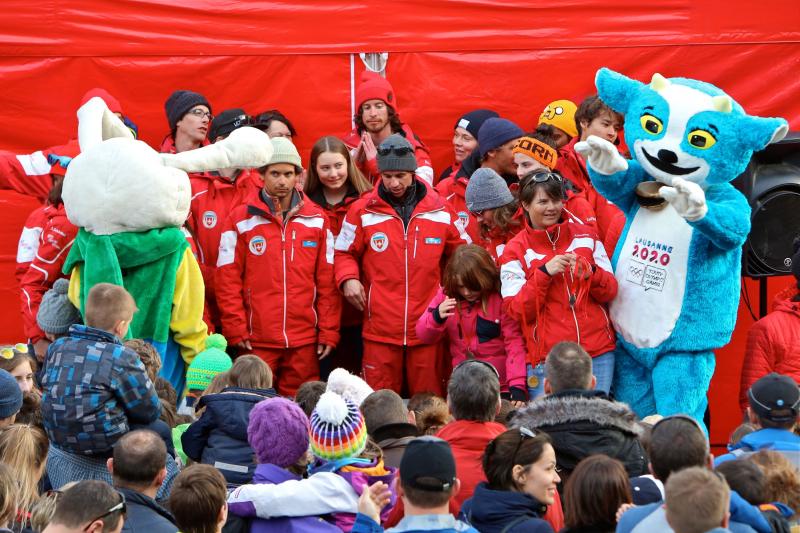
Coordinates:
[762,297]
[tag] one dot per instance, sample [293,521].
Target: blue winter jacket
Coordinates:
[219,437]
[144,515]
[491,511]
[779,440]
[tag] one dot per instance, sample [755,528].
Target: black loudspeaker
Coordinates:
[771,183]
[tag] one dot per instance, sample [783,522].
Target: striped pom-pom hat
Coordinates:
[338,430]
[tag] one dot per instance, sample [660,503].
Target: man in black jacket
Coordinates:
[580,420]
[139,469]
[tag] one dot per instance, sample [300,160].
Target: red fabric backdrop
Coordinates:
[446,57]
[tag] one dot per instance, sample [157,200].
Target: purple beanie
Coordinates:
[278,432]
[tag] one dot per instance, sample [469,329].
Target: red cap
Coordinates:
[373,86]
[111,102]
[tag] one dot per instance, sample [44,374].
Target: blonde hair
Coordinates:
[697,500]
[8,496]
[44,509]
[781,478]
[336,146]
[23,449]
[107,305]
[250,372]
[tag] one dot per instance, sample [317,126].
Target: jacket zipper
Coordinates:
[283,252]
[416,238]
[250,311]
[369,303]
[314,307]
[293,236]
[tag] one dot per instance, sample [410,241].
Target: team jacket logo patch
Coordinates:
[379,242]
[258,245]
[463,216]
[209,219]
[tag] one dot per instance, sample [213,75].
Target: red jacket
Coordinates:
[773,345]
[370,167]
[610,220]
[29,240]
[491,336]
[29,174]
[399,267]
[453,190]
[274,279]
[541,303]
[55,241]
[213,199]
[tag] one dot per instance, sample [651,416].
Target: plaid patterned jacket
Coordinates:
[94,389]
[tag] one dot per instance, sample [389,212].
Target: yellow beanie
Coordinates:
[560,114]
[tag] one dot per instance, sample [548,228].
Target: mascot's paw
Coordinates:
[687,198]
[601,155]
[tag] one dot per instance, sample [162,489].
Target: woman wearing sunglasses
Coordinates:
[521,474]
[556,280]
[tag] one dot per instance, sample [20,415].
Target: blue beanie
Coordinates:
[496,132]
[473,120]
[10,395]
[181,102]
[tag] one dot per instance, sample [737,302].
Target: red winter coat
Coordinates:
[370,168]
[530,292]
[29,174]
[453,190]
[399,267]
[55,241]
[274,279]
[491,336]
[610,220]
[29,240]
[773,345]
[213,199]
[336,213]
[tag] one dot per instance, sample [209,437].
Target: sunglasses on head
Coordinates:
[121,507]
[9,351]
[397,150]
[478,362]
[524,433]
[541,177]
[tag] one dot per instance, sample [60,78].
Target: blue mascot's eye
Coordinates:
[651,124]
[701,139]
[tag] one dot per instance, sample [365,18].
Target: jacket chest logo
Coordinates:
[258,245]
[463,216]
[209,219]
[379,242]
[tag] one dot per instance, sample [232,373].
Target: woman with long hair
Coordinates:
[23,449]
[334,182]
[557,280]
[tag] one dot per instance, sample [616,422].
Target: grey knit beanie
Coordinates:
[56,312]
[181,102]
[487,190]
[396,153]
[10,395]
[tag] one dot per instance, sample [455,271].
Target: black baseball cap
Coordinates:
[428,464]
[776,398]
[227,121]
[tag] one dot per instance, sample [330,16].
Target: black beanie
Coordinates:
[227,121]
[181,102]
[473,120]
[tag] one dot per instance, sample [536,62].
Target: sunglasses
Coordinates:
[10,351]
[524,433]
[478,362]
[541,177]
[396,150]
[120,507]
[200,114]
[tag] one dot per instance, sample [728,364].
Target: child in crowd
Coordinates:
[468,309]
[203,368]
[15,360]
[56,313]
[219,436]
[8,498]
[308,395]
[96,389]
[558,121]
[781,481]
[198,500]
[279,434]
[23,449]
[10,399]
[148,355]
[430,412]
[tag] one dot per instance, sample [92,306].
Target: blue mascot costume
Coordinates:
[678,260]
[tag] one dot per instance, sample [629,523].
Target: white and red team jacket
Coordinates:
[274,279]
[399,267]
[29,240]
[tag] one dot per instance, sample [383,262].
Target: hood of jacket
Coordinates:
[231,408]
[569,407]
[491,510]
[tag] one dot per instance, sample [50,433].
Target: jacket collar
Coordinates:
[270,473]
[92,334]
[265,205]
[318,196]
[394,431]
[569,408]
[131,496]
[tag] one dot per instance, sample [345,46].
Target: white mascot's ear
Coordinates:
[96,123]
[244,148]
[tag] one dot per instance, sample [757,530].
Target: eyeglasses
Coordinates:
[199,113]
[9,351]
[397,150]
[120,507]
[479,362]
[524,433]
